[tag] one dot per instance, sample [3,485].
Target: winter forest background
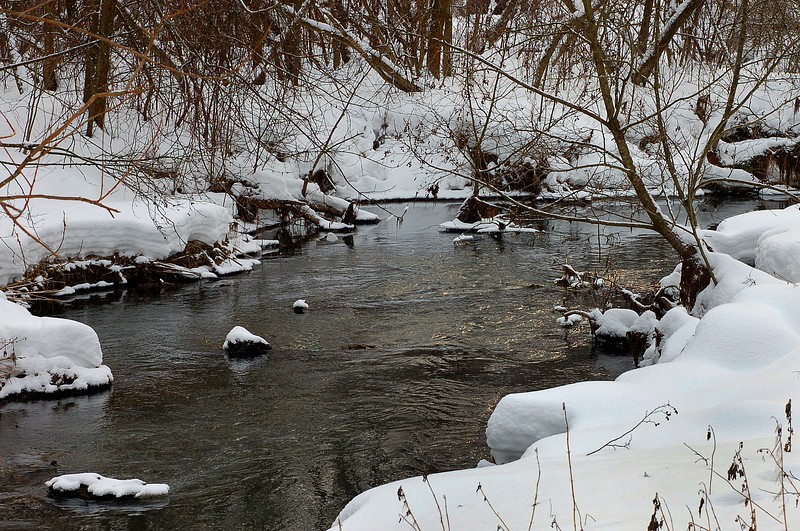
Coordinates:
[143,141]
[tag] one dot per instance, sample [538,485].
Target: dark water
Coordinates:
[284,441]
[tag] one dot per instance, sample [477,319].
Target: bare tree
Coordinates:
[633,90]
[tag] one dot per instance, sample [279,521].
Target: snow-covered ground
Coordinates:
[705,429]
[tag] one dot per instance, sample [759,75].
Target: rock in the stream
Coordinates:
[97,487]
[240,342]
[300,306]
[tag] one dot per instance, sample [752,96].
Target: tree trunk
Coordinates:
[89,89]
[447,53]
[341,54]
[98,65]
[695,277]
[644,71]
[696,274]
[49,80]
[439,30]
[644,29]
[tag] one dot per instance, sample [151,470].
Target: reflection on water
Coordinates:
[284,441]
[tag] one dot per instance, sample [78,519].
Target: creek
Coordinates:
[409,343]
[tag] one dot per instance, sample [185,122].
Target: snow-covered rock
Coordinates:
[96,486]
[614,323]
[240,342]
[569,321]
[300,306]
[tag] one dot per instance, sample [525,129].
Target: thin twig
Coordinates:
[666,409]
[575,512]
[536,491]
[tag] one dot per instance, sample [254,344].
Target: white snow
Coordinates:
[677,328]
[300,304]
[570,320]
[234,265]
[47,354]
[496,225]
[740,152]
[738,236]
[100,486]
[614,322]
[778,252]
[240,334]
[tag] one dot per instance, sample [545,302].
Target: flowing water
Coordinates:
[409,343]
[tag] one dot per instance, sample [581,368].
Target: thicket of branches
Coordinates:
[229,71]
[185,62]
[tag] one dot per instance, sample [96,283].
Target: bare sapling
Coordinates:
[653,417]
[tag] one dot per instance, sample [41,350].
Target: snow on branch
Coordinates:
[649,59]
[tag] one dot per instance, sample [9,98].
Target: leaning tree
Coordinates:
[657,87]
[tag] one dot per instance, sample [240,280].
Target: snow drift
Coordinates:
[46,354]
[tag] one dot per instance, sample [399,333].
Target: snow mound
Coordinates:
[76,230]
[732,277]
[103,487]
[734,335]
[677,328]
[778,252]
[47,354]
[240,341]
[738,236]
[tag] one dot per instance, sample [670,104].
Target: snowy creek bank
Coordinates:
[47,356]
[286,440]
[197,260]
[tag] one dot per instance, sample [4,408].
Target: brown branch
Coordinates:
[646,69]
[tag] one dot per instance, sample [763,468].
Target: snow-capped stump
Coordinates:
[641,335]
[300,306]
[92,486]
[240,342]
[610,328]
[474,210]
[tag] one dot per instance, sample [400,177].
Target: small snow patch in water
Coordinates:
[97,486]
